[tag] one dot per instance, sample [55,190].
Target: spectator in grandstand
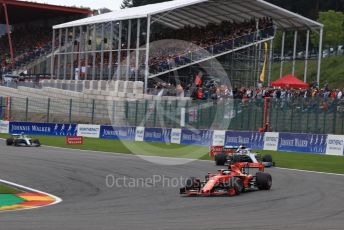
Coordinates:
[339,94]
[213,38]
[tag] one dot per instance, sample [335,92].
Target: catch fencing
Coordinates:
[298,115]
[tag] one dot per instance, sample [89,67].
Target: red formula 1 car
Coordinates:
[232,181]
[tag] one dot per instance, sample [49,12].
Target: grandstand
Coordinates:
[27,45]
[118,45]
[124,63]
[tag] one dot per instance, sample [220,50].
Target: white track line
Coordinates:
[57,199]
[309,171]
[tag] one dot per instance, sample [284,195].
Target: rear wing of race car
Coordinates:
[216,149]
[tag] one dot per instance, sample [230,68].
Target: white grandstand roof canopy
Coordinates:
[180,13]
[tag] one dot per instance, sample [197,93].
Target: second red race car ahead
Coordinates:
[232,181]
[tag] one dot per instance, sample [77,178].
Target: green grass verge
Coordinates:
[321,163]
[128,147]
[5,189]
[306,161]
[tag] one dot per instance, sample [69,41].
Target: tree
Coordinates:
[126,4]
[134,3]
[333,28]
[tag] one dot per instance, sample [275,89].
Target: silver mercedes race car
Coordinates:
[22,140]
[229,154]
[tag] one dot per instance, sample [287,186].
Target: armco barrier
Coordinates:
[292,142]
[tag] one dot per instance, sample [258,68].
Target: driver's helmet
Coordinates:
[240,149]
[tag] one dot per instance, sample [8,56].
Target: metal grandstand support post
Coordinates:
[110,54]
[306,57]
[137,48]
[65,55]
[270,60]
[94,47]
[86,50]
[282,54]
[59,55]
[72,55]
[9,34]
[320,54]
[102,52]
[128,51]
[119,50]
[52,63]
[258,64]
[79,51]
[147,52]
[294,52]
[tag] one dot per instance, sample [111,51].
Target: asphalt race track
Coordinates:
[298,200]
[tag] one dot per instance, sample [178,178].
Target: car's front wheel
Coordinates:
[36,142]
[9,141]
[264,181]
[220,159]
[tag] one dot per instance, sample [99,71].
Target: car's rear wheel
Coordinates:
[220,159]
[264,181]
[9,141]
[267,158]
[36,142]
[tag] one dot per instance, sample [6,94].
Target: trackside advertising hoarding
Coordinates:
[4,126]
[271,141]
[48,129]
[85,130]
[140,133]
[292,142]
[219,137]
[157,135]
[335,145]
[196,137]
[298,142]
[176,135]
[254,140]
[117,133]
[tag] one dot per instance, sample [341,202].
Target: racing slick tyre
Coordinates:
[238,185]
[267,158]
[264,181]
[36,142]
[220,159]
[9,141]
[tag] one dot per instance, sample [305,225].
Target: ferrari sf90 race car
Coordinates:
[22,140]
[226,154]
[236,179]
